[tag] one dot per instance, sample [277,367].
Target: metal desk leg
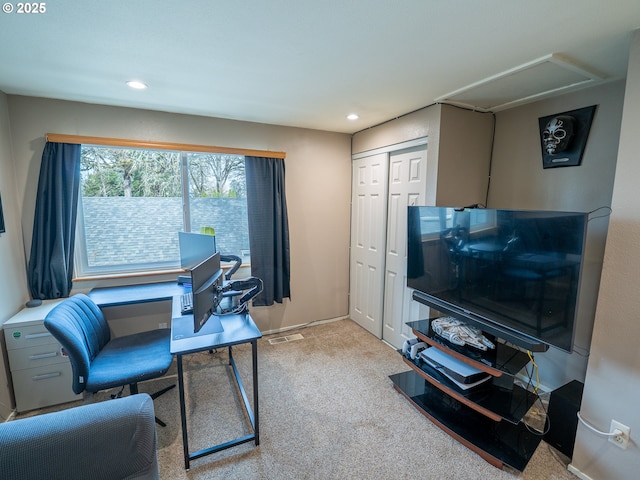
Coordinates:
[252,413]
[256,428]
[183,413]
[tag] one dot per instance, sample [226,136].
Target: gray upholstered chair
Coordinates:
[107,440]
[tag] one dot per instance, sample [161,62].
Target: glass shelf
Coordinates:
[492,401]
[487,418]
[502,359]
[500,443]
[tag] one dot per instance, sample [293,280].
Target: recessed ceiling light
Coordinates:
[137,84]
[353,116]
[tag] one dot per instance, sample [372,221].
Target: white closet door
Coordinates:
[407,186]
[368,232]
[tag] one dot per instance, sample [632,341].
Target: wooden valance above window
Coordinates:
[182,147]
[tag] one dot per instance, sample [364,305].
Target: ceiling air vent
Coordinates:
[551,74]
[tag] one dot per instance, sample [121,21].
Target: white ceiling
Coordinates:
[305,63]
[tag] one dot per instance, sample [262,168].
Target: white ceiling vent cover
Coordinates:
[531,81]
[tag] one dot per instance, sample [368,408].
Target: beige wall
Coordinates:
[612,386]
[458,150]
[518,181]
[13,292]
[464,157]
[318,170]
[423,123]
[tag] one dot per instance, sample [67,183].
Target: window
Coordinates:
[134,202]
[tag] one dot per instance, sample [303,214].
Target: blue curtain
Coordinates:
[50,268]
[268,228]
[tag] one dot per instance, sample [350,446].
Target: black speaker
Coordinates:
[564,404]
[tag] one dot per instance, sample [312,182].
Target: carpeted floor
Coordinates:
[327,411]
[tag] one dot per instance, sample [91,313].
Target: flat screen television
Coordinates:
[515,274]
[206,283]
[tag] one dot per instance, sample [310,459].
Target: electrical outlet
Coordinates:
[162,325]
[621,440]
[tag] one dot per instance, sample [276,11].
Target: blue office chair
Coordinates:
[100,362]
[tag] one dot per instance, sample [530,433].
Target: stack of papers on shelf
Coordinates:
[461,374]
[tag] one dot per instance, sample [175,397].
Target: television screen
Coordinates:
[513,273]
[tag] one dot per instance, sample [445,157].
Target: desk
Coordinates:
[133,294]
[238,329]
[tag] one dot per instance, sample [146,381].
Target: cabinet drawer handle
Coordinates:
[45,376]
[43,355]
[37,335]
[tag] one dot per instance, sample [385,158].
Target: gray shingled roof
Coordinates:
[143,230]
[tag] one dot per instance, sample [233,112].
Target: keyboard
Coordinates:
[186,303]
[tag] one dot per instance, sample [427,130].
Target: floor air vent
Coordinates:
[288,338]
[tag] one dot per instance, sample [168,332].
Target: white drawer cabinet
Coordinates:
[41,372]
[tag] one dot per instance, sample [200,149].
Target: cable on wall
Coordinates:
[599,432]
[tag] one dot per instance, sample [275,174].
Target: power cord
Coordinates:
[606,208]
[616,432]
[542,411]
[535,367]
[547,422]
[119,394]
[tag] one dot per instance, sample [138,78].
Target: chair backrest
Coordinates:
[100,441]
[80,327]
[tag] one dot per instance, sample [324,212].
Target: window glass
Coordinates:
[218,200]
[134,202]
